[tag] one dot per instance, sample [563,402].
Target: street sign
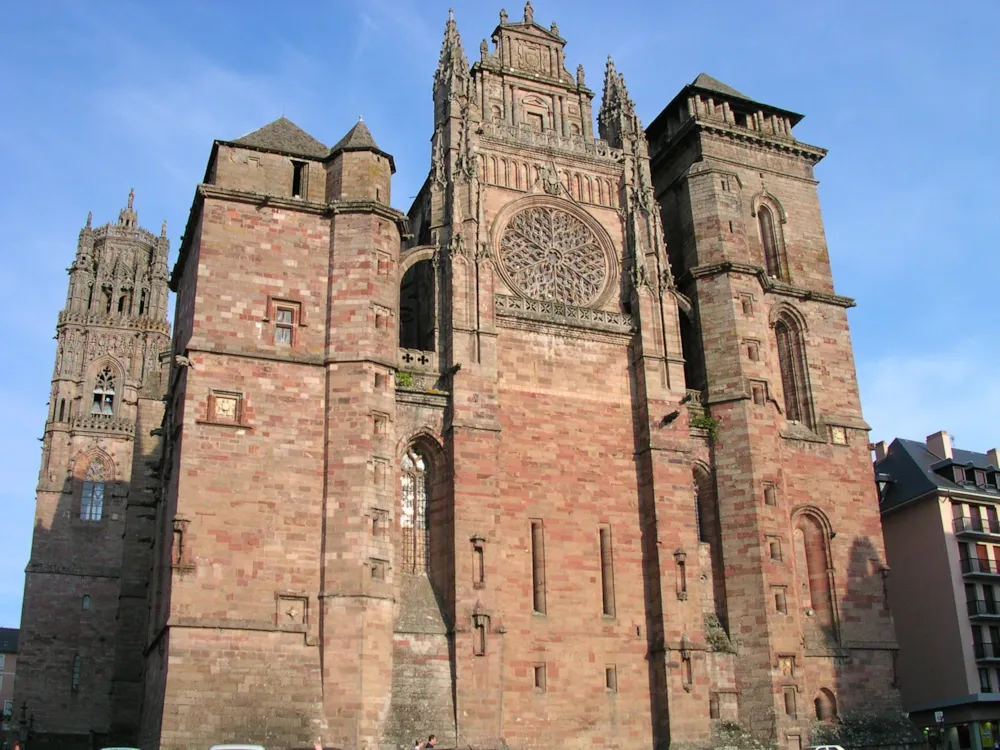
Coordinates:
[939,717]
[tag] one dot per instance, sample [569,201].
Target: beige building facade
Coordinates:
[942,534]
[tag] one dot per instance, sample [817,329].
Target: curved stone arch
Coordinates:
[414,255]
[819,516]
[786,311]
[422,505]
[102,361]
[770,222]
[571,207]
[790,340]
[825,705]
[821,582]
[424,437]
[117,368]
[83,461]
[764,198]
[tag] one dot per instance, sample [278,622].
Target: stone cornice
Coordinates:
[312,360]
[697,124]
[767,283]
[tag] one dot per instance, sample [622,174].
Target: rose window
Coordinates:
[550,254]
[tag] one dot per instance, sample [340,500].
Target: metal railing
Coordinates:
[987,650]
[983,607]
[977,565]
[965,524]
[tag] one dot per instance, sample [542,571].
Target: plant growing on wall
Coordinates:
[708,424]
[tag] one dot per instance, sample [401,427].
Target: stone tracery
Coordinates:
[550,254]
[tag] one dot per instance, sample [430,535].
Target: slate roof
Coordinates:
[359,138]
[909,464]
[705,81]
[285,136]
[8,640]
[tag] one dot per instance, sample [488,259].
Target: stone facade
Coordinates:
[570,454]
[85,597]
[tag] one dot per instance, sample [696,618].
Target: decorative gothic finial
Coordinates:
[131,197]
[163,229]
[529,13]
[451,14]
[484,50]
[90,218]
[361,118]
[579,76]
[555,28]
[503,17]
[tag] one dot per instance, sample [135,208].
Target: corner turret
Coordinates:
[358,170]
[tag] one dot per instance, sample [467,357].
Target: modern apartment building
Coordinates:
[942,539]
[8,665]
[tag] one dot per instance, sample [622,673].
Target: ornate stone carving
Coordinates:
[550,139]
[561,314]
[549,254]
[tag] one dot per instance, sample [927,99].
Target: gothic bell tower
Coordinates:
[85,583]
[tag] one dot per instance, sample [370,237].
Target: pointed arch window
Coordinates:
[104,393]
[413,513]
[794,372]
[769,240]
[92,496]
[814,573]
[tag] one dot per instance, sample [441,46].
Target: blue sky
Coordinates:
[100,97]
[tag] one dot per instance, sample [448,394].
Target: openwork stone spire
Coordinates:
[452,61]
[617,120]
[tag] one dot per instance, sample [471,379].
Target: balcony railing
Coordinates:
[987,650]
[966,525]
[983,608]
[978,566]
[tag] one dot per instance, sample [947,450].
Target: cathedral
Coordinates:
[570,454]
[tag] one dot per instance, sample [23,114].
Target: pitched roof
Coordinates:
[358,138]
[285,136]
[8,640]
[911,467]
[705,81]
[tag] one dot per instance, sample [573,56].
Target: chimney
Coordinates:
[881,449]
[993,457]
[940,444]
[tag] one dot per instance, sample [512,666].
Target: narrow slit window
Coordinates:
[780,605]
[538,567]
[76,673]
[85,602]
[607,572]
[299,179]
[479,635]
[540,678]
[790,709]
[478,565]
[769,239]
[611,679]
